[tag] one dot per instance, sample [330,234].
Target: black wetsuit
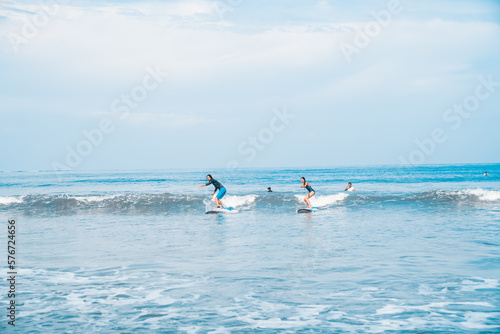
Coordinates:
[216,184]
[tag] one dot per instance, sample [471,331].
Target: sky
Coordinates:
[99,85]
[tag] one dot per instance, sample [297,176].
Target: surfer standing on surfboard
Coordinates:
[311,193]
[218,186]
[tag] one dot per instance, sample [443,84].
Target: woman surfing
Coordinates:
[218,186]
[311,191]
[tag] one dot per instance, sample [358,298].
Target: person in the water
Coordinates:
[485,173]
[349,187]
[218,186]
[269,190]
[311,191]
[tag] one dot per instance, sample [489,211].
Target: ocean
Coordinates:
[411,250]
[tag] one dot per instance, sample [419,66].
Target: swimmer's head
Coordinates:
[209,177]
[303,179]
[349,184]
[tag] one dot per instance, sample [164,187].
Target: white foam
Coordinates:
[90,199]
[395,325]
[66,277]
[424,289]
[238,201]
[335,315]
[76,300]
[10,200]
[310,311]
[37,311]
[482,283]
[158,297]
[391,309]
[220,330]
[270,315]
[271,307]
[396,309]
[278,323]
[479,194]
[191,329]
[476,320]
[26,272]
[483,195]
[324,200]
[153,295]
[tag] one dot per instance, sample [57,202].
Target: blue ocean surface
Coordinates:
[411,250]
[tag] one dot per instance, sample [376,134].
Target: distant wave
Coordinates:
[166,202]
[114,203]
[457,196]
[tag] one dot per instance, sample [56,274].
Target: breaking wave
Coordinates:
[322,201]
[167,202]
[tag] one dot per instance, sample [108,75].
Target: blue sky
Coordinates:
[233,66]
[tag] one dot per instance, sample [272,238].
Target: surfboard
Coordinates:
[307,210]
[220,210]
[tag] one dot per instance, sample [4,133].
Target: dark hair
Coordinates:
[268,187]
[349,183]
[210,176]
[303,178]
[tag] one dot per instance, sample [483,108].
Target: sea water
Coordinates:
[410,250]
